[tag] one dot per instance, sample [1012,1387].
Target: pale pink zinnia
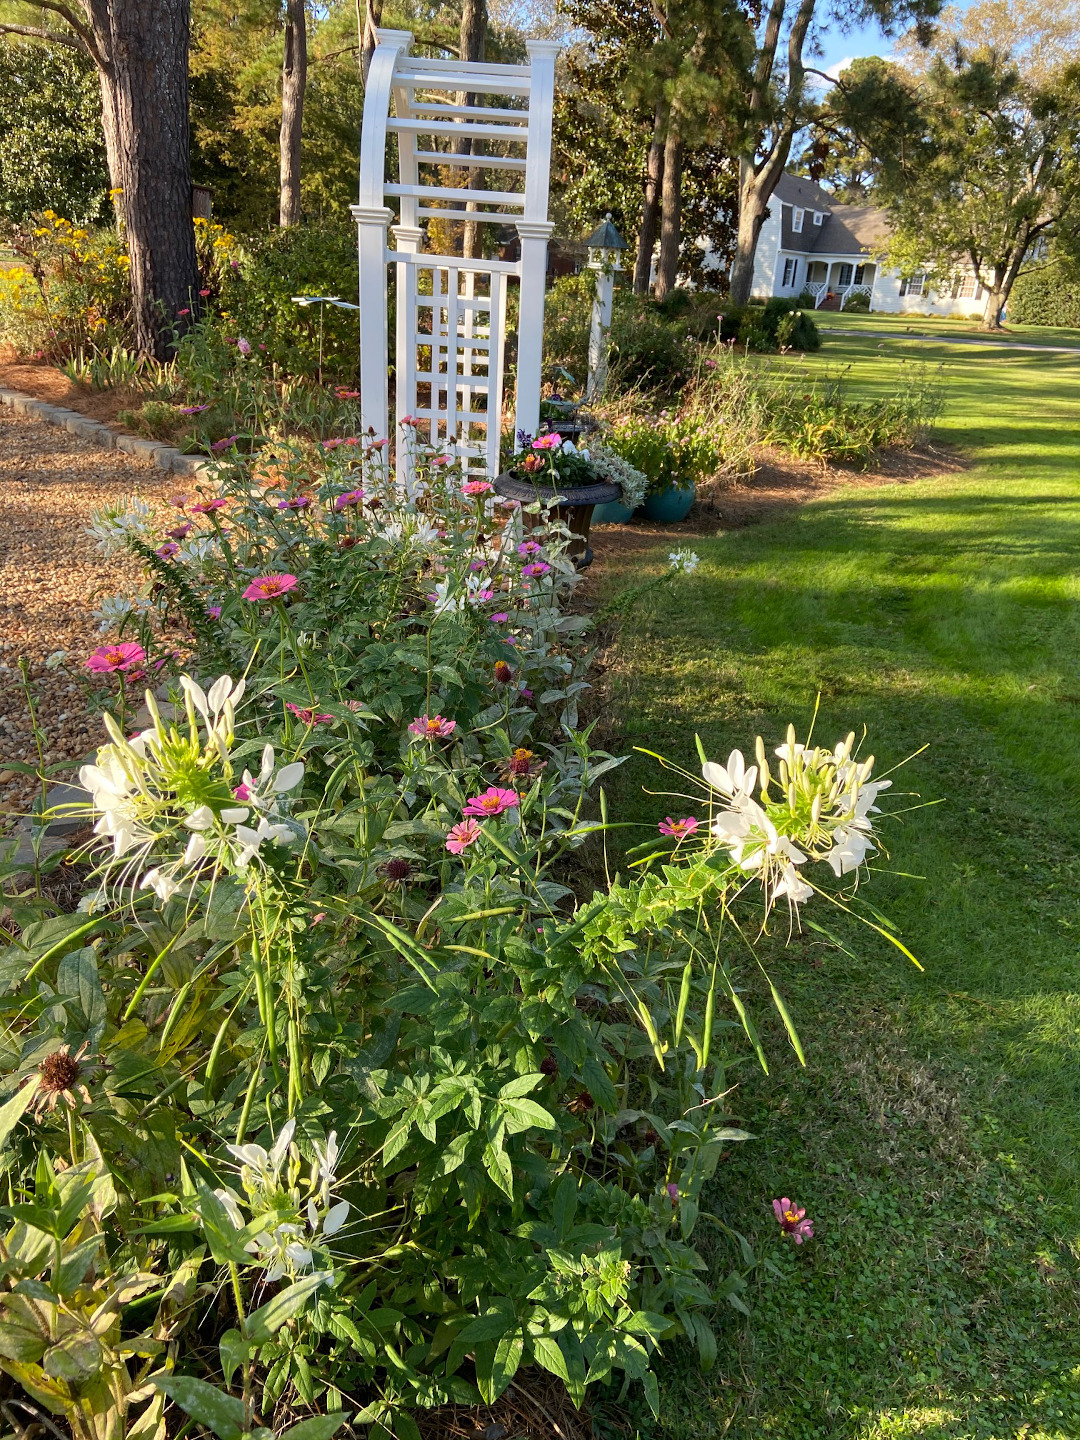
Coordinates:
[477,487]
[462,835]
[432,727]
[269,587]
[492,802]
[678,829]
[792,1220]
[244,346]
[107,658]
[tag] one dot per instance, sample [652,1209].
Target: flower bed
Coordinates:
[340,1092]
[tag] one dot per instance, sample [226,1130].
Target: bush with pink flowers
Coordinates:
[355,1077]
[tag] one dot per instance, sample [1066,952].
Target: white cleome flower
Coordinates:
[685,560]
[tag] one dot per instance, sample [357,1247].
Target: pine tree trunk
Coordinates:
[371,11]
[667,268]
[143,67]
[472,37]
[293,86]
[650,205]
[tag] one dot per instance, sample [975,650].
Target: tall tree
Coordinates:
[141,54]
[293,86]
[984,170]
[780,104]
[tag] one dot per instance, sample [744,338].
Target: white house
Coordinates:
[811,243]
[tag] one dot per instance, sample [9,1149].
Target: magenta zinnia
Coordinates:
[678,829]
[432,727]
[492,802]
[107,658]
[793,1220]
[463,834]
[350,497]
[269,587]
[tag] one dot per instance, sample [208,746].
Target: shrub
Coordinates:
[1046,296]
[256,299]
[386,1111]
[668,452]
[857,303]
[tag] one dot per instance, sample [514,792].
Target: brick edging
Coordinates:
[165,457]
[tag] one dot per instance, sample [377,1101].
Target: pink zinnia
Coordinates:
[309,717]
[432,727]
[477,487]
[269,587]
[375,444]
[180,533]
[792,1221]
[242,792]
[529,547]
[244,346]
[477,565]
[298,502]
[351,497]
[166,552]
[214,612]
[407,420]
[500,618]
[107,658]
[535,570]
[492,802]
[678,829]
[463,834]
[547,442]
[218,446]
[179,501]
[207,507]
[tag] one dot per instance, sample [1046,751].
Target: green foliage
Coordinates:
[1048,295]
[780,324]
[256,299]
[52,154]
[668,452]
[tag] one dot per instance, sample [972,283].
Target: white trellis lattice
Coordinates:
[451,311]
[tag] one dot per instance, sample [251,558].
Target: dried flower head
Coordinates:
[396,870]
[61,1078]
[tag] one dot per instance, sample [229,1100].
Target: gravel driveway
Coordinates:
[51,575]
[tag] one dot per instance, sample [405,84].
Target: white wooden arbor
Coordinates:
[486,120]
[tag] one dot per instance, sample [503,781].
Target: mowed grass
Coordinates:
[934,1135]
[933,325]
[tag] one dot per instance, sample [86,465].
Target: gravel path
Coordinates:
[51,575]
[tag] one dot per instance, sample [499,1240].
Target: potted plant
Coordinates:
[633,485]
[554,470]
[671,454]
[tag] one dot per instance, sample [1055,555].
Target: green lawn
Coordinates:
[935,1134]
[945,325]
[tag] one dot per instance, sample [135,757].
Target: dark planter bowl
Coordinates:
[575,507]
[670,506]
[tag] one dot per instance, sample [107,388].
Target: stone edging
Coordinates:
[165,457]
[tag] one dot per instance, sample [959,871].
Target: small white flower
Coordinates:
[163,886]
[793,886]
[55,660]
[684,560]
[733,779]
[335,1217]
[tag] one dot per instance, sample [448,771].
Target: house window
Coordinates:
[915,285]
[860,274]
[791,269]
[966,288]
[843,278]
[818,217]
[797,219]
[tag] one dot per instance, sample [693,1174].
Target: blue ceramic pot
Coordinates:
[670,506]
[613,513]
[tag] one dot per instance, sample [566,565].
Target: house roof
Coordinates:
[846,229]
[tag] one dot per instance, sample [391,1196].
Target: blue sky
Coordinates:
[839,47]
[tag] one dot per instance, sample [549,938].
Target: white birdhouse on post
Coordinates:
[605,247]
[492,122]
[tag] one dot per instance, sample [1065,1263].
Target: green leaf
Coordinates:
[205,1403]
[74,1358]
[498,1166]
[521,1085]
[546,1352]
[652,1392]
[599,1086]
[319,1427]
[492,1326]
[526,1115]
[566,1203]
[504,1367]
[12,1112]
[264,1323]
[234,1352]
